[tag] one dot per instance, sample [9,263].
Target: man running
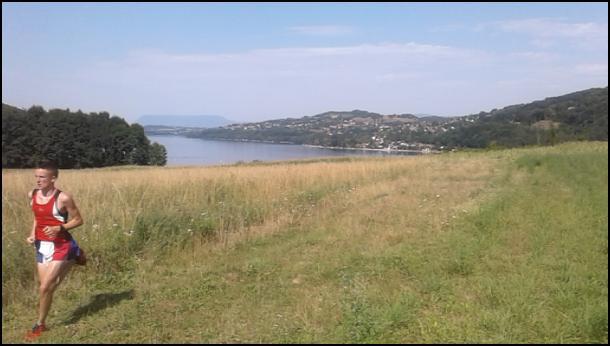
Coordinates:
[56,250]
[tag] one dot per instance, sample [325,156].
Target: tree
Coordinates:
[139,154]
[157,155]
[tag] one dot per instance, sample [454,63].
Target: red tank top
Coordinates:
[48,214]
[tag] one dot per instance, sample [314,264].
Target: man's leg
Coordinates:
[51,274]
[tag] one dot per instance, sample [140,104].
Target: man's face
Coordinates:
[44,178]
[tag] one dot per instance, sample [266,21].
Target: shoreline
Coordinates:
[384,150]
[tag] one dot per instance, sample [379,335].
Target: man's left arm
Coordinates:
[75,217]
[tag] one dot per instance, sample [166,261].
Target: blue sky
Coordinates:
[260,61]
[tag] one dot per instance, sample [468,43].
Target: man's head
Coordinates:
[46,172]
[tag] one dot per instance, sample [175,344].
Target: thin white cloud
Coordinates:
[592,69]
[311,59]
[410,48]
[547,32]
[447,28]
[535,56]
[394,76]
[323,30]
[546,27]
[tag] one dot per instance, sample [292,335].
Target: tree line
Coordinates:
[74,139]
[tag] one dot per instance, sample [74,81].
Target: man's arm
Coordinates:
[66,200]
[32,236]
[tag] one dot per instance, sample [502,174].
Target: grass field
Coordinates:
[507,246]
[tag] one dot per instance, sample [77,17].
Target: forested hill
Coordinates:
[581,115]
[74,140]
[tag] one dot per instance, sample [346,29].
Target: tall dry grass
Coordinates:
[131,212]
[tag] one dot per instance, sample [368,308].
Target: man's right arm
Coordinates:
[32,236]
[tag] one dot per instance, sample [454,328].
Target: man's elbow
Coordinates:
[78,221]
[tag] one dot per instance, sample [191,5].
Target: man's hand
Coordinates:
[30,239]
[51,231]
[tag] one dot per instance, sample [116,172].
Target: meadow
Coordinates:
[500,246]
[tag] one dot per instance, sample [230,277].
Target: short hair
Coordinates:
[49,166]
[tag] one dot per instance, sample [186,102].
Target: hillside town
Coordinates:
[355,129]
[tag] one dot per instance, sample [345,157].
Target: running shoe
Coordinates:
[35,332]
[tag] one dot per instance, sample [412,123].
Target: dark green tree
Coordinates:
[158,155]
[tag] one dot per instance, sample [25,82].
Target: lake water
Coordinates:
[192,151]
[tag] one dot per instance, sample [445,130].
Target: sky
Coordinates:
[261,61]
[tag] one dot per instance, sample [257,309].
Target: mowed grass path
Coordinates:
[502,246]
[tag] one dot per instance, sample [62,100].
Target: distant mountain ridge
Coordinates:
[184,120]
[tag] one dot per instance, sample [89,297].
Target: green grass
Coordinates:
[502,246]
[532,265]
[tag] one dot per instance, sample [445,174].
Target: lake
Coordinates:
[192,151]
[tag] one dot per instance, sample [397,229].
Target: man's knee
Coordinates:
[49,286]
